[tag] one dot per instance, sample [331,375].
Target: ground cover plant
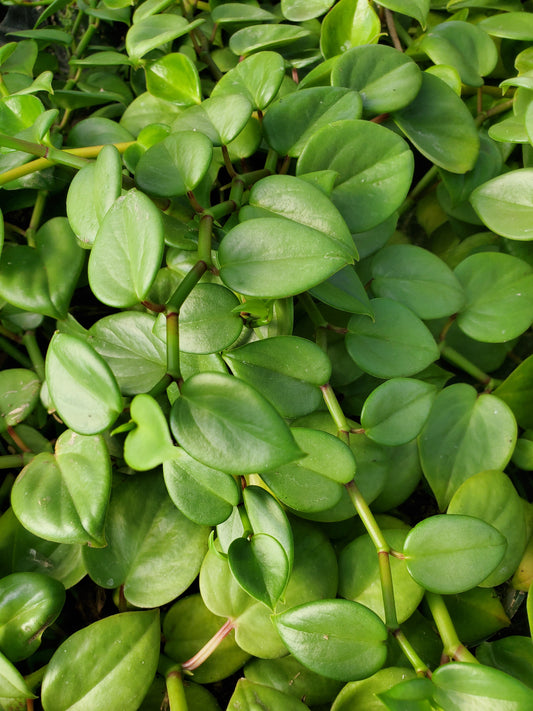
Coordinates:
[266,417]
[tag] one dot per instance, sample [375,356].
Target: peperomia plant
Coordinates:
[266,416]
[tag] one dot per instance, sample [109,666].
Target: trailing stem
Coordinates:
[208,648]
[453,647]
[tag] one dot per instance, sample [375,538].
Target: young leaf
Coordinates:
[153,31]
[505,205]
[114,658]
[257,77]
[222,419]
[127,251]
[348,24]
[174,78]
[63,497]
[247,697]
[339,639]
[12,684]
[220,118]
[149,444]
[452,553]
[266,515]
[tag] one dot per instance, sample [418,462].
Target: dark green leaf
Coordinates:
[265,37]
[517,390]
[512,655]
[153,31]
[419,9]
[344,291]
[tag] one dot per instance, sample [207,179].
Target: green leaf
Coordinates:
[97,130]
[439,124]
[411,695]
[63,497]
[301,10]
[359,576]
[452,553]
[18,113]
[153,550]
[477,614]
[287,370]
[208,323]
[247,697]
[107,185]
[464,46]
[81,385]
[465,433]
[153,31]
[265,37]
[509,25]
[517,390]
[339,639]
[395,412]
[19,393]
[81,211]
[491,497]
[372,70]
[175,165]
[42,279]
[126,342]
[257,78]
[222,419]
[127,251]
[313,483]
[220,118]
[12,684]
[419,9]
[499,296]
[469,686]
[115,658]
[266,515]
[236,13]
[260,566]
[395,344]
[29,603]
[22,552]
[505,204]
[374,168]
[49,35]
[344,291]
[149,444]
[204,494]
[174,78]
[418,279]
[349,23]
[291,120]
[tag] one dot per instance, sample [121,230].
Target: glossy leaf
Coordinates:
[208,323]
[63,497]
[153,31]
[204,494]
[107,184]
[127,251]
[516,391]
[365,693]
[266,515]
[248,695]
[42,278]
[464,46]
[452,553]
[19,393]
[465,433]
[254,438]
[372,70]
[499,296]
[374,168]
[301,10]
[411,695]
[81,385]
[29,603]
[12,684]
[339,639]
[153,550]
[126,342]
[512,655]
[220,118]
[344,291]
[440,126]
[480,687]
[81,212]
[395,344]
[113,658]
[287,370]
[395,412]
[349,23]
[509,25]
[491,497]
[257,78]
[265,37]
[149,444]
[314,482]
[477,614]
[418,279]
[418,9]
[175,165]
[292,119]
[174,78]
[504,204]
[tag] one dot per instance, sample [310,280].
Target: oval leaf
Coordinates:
[505,204]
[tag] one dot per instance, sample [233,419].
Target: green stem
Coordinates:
[236,192]
[5,489]
[452,356]
[35,221]
[205,233]
[13,352]
[494,111]
[424,182]
[336,412]
[312,310]
[36,357]
[173,346]
[453,647]
[188,283]
[201,45]
[15,461]
[387,590]
[208,648]
[176,691]
[227,162]
[271,162]
[407,648]
[367,517]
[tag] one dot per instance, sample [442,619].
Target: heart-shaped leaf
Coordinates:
[452,553]
[153,31]
[149,444]
[42,278]
[266,515]
[114,658]
[174,78]
[257,77]
[220,118]
[127,251]
[260,566]
[63,497]
[81,385]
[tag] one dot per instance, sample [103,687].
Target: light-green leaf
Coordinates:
[505,204]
